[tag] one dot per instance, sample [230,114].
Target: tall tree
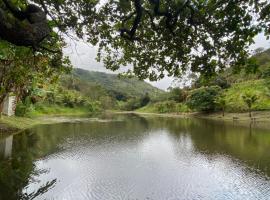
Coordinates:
[154,36]
[250,100]
[21,69]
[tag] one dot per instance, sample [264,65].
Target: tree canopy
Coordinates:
[156,37]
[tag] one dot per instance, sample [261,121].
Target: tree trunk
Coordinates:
[223,112]
[2,98]
[249,110]
[1,108]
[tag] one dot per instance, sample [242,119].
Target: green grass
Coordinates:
[234,94]
[34,116]
[20,122]
[148,109]
[161,107]
[57,110]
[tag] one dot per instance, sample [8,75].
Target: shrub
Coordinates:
[166,107]
[177,94]
[221,82]
[181,107]
[94,107]
[21,109]
[203,99]
[68,100]
[132,104]
[145,100]
[266,73]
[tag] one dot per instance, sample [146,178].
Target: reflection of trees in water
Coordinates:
[16,171]
[208,137]
[248,145]
[6,147]
[46,187]
[27,147]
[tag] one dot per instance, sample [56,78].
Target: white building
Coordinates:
[9,105]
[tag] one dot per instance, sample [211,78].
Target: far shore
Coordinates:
[259,116]
[9,125]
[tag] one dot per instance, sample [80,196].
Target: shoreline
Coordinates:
[10,125]
[260,119]
[14,124]
[257,116]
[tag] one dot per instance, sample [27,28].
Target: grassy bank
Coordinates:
[56,110]
[41,115]
[165,107]
[257,116]
[19,123]
[233,95]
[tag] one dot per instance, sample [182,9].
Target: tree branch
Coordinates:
[16,12]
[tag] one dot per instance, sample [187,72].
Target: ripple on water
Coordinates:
[151,165]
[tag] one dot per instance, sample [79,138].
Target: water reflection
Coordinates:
[6,147]
[133,157]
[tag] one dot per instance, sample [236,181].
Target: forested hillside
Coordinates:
[82,91]
[111,90]
[117,86]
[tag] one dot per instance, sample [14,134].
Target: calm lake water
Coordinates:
[134,157]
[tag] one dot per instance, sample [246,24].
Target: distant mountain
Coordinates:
[129,87]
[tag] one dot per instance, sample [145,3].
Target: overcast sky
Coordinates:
[83,55]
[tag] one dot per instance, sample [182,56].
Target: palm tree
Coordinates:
[221,102]
[250,100]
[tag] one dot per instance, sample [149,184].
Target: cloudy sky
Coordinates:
[83,55]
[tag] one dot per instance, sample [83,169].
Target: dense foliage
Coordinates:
[21,70]
[154,36]
[203,99]
[251,82]
[112,91]
[119,87]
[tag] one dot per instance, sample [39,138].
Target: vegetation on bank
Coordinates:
[83,92]
[32,61]
[231,91]
[20,123]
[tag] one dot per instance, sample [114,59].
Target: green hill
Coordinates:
[253,79]
[127,87]
[233,95]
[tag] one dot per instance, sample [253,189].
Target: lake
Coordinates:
[134,157]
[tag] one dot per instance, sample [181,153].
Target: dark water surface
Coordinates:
[134,157]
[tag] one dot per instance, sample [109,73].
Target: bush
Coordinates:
[145,100]
[180,107]
[221,82]
[218,80]
[94,107]
[203,99]
[21,109]
[177,94]
[131,104]
[166,107]
[266,73]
